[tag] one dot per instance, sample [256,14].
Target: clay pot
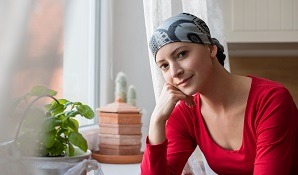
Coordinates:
[119,149]
[125,129]
[119,129]
[115,139]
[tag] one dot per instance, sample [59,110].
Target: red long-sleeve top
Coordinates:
[269,143]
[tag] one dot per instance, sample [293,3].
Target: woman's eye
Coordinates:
[164,66]
[181,54]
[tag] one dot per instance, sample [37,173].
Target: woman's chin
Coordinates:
[188,92]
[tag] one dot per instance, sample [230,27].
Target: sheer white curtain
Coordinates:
[17,53]
[211,12]
[13,16]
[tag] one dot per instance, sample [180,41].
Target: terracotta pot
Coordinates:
[125,129]
[119,118]
[119,113]
[119,129]
[119,149]
[110,139]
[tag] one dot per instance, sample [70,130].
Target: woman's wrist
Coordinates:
[157,133]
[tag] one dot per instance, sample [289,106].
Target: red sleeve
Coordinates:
[171,156]
[276,130]
[154,159]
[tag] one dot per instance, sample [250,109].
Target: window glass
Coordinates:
[55,51]
[40,57]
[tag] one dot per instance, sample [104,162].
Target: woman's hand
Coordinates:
[168,99]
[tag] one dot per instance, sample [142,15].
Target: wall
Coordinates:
[261,21]
[280,69]
[262,39]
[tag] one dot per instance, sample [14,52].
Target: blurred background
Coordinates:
[31,53]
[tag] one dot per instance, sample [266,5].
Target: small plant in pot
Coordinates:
[52,131]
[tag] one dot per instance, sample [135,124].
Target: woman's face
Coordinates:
[186,66]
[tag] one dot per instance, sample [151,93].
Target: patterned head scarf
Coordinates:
[183,27]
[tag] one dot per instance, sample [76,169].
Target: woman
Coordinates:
[242,124]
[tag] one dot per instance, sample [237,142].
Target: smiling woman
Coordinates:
[242,124]
[181,55]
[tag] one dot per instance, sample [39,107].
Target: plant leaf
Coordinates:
[71,113]
[78,140]
[57,149]
[78,103]
[61,131]
[41,91]
[63,101]
[73,124]
[56,108]
[50,123]
[70,150]
[85,111]
[48,139]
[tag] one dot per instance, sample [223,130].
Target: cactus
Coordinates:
[121,86]
[131,95]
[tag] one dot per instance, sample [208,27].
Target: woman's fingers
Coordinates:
[179,95]
[175,94]
[168,98]
[167,101]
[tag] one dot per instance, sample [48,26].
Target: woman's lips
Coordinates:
[184,82]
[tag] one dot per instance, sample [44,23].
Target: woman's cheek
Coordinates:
[168,78]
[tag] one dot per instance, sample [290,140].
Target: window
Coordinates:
[39,48]
[81,61]
[49,43]
[57,51]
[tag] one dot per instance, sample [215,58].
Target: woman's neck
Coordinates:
[225,90]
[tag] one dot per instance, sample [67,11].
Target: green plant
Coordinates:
[53,130]
[131,95]
[121,86]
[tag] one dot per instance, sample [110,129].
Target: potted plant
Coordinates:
[51,134]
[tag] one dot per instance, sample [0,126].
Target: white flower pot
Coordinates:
[53,165]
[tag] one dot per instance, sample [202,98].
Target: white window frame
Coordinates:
[81,63]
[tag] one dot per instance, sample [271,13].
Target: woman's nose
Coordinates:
[176,70]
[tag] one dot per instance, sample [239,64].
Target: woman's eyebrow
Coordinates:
[158,62]
[173,53]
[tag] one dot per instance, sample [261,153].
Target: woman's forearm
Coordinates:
[157,133]
[168,98]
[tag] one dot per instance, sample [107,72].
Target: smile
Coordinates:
[183,82]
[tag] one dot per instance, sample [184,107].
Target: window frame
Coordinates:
[76,36]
